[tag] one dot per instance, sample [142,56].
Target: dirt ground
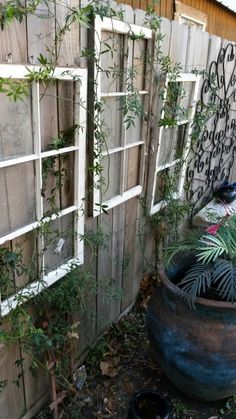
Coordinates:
[122,363]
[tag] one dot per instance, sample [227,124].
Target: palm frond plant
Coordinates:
[215,267]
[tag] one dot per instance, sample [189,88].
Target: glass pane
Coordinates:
[172,144]
[59,242]
[181,139]
[111,176]
[67,183]
[167,182]
[112,123]
[48,115]
[178,104]
[132,167]
[139,58]
[57,105]
[58,182]
[26,247]
[186,99]
[134,119]
[52,179]
[112,57]
[172,111]
[16,133]
[17,191]
[187,21]
[167,146]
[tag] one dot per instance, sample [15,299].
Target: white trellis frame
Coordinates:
[79,76]
[156,167]
[122,28]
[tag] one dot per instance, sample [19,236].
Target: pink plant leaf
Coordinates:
[213,229]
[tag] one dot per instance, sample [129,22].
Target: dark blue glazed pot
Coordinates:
[195,348]
[225,193]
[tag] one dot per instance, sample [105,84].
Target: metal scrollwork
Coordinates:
[214,147]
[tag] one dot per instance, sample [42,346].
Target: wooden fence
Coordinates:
[220,20]
[125,257]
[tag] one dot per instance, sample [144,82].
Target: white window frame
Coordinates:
[123,28]
[185,12]
[59,73]
[183,18]
[154,208]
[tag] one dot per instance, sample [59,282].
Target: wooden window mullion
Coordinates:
[38,171]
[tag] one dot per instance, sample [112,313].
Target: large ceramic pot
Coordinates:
[195,348]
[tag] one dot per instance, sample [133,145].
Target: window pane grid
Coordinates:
[78,150]
[193,81]
[121,148]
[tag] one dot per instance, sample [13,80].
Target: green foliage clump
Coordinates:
[215,267]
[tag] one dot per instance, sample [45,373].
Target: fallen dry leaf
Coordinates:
[129,387]
[109,369]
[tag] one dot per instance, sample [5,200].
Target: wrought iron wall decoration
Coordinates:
[214,133]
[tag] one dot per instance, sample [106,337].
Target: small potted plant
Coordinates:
[191,318]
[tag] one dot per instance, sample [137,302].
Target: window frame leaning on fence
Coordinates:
[46,279]
[155,167]
[97,202]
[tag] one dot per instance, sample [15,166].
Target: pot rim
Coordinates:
[145,393]
[199,300]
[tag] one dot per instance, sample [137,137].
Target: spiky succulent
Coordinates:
[215,267]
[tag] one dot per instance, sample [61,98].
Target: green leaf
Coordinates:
[224,274]
[211,247]
[197,280]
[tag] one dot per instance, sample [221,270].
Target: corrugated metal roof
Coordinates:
[230,4]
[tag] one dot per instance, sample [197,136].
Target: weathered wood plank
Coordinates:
[214,47]
[68,46]
[88,317]
[12,402]
[178,43]
[128,13]
[129,282]
[83,36]
[164,44]
[117,257]
[41,33]
[104,270]
[13,45]
[36,387]
[197,52]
